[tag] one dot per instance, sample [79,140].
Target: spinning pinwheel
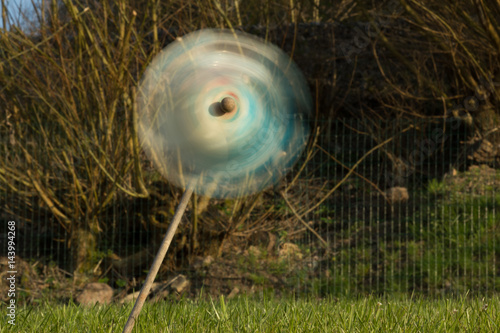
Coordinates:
[222,114]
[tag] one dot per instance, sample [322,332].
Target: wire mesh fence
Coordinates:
[401,209]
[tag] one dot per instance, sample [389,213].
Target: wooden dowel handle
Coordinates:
[155,267]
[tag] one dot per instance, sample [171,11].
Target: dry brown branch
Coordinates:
[350,172]
[314,232]
[357,174]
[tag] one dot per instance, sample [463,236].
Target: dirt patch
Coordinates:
[35,280]
[478,180]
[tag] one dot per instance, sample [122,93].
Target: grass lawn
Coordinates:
[249,314]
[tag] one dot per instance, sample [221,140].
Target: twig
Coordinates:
[324,242]
[357,174]
[351,171]
[309,156]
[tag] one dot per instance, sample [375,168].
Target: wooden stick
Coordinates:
[155,267]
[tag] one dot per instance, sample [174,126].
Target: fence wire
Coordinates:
[403,209]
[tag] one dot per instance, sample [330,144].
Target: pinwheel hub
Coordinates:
[228,105]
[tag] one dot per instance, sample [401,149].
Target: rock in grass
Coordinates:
[130,297]
[155,287]
[160,290]
[179,283]
[95,292]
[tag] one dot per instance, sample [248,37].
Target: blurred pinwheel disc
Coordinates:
[223,112]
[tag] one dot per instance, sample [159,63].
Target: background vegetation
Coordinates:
[406,92]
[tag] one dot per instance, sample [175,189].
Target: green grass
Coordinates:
[449,244]
[269,314]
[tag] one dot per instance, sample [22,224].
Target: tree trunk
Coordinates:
[83,247]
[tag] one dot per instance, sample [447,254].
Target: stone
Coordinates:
[155,288]
[160,290]
[290,250]
[397,194]
[207,261]
[179,283]
[95,292]
[202,262]
[130,297]
[233,293]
